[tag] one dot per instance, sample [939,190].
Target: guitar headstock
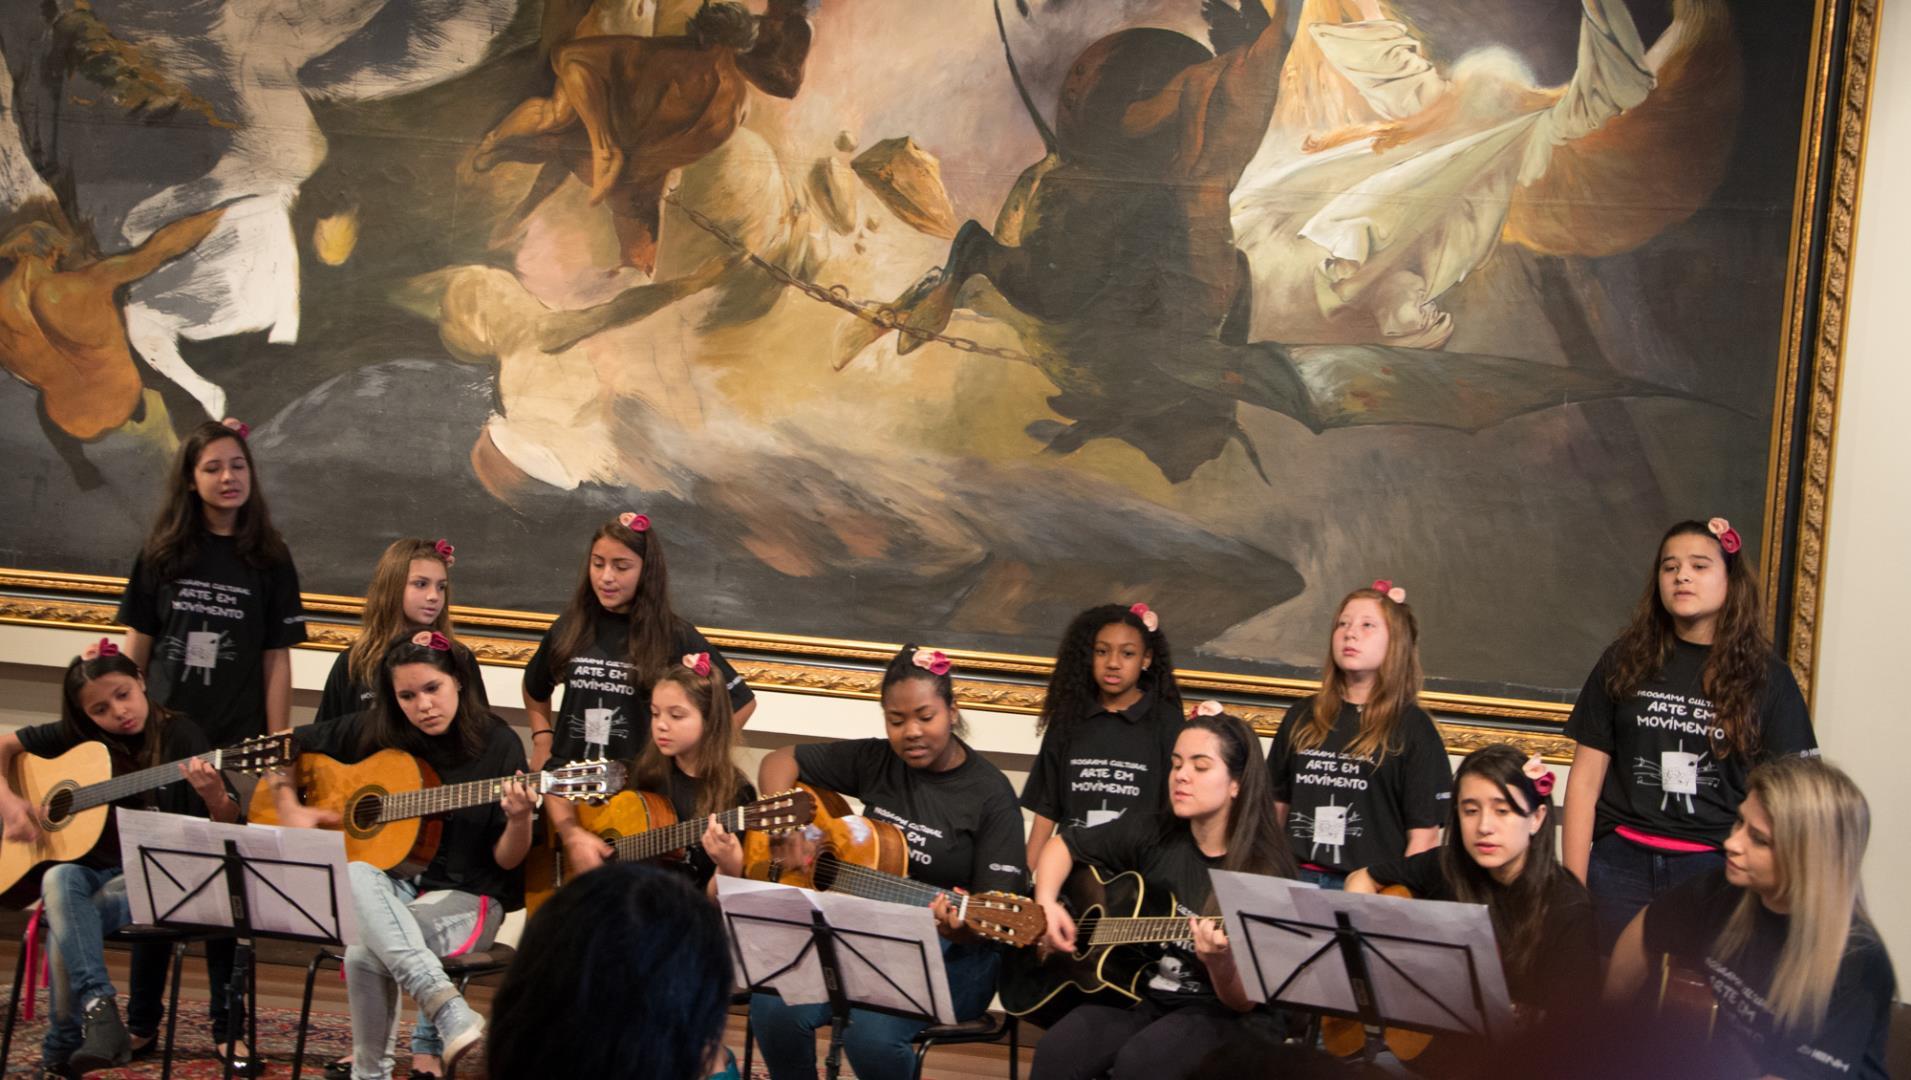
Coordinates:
[1005,917]
[583,781]
[259,754]
[780,813]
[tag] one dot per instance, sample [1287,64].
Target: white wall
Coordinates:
[1862,713]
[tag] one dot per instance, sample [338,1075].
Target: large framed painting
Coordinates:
[940,322]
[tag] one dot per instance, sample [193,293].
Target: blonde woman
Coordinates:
[1802,979]
[410,591]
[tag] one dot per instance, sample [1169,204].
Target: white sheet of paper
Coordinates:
[192,853]
[868,965]
[1278,951]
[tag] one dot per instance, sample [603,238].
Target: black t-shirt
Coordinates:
[1664,778]
[1094,770]
[684,792]
[1686,921]
[211,625]
[1345,812]
[183,739]
[962,825]
[606,699]
[464,861]
[1565,974]
[343,696]
[1160,848]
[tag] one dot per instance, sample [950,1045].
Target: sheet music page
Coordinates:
[173,875]
[769,927]
[1275,953]
[888,973]
[280,899]
[311,898]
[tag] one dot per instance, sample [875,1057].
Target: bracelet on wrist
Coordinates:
[546,731]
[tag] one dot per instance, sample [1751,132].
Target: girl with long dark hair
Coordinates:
[1670,724]
[1221,817]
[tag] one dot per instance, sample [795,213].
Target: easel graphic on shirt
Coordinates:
[1329,827]
[1100,815]
[199,651]
[1678,774]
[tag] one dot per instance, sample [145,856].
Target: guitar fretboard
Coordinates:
[133,783]
[876,885]
[648,845]
[1158,929]
[445,798]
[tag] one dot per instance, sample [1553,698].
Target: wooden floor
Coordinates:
[282,981]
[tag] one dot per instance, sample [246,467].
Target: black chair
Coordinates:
[461,969]
[990,1027]
[128,937]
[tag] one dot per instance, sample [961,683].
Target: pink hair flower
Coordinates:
[934,661]
[443,549]
[1147,616]
[1541,776]
[1207,708]
[238,427]
[634,522]
[1389,590]
[431,639]
[1728,537]
[698,662]
[100,648]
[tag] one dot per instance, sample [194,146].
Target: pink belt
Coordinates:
[1663,843]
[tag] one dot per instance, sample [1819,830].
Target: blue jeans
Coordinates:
[82,904]
[1624,877]
[1326,879]
[402,934]
[877,1044]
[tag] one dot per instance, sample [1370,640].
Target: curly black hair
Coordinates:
[1072,694]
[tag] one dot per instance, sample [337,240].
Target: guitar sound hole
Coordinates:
[365,812]
[59,807]
[825,872]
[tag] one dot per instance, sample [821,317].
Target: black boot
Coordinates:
[107,1045]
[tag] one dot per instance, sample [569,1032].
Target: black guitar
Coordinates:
[1116,943]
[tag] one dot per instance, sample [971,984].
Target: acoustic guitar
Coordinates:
[70,795]
[389,802]
[1116,942]
[868,858]
[1345,1037]
[642,825]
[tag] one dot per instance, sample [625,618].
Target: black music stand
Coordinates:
[840,956]
[202,869]
[1419,964]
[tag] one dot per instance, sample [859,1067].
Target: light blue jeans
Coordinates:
[401,936]
[82,905]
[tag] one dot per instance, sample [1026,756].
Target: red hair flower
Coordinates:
[1728,537]
[1206,708]
[444,550]
[1148,618]
[431,639]
[934,661]
[1541,776]
[1389,590]
[238,427]
[698,662]
[100,648]
[634,522]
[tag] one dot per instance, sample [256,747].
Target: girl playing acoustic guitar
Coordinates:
[690,760]
[1802,980]
[1499,851]
[958,814]
[104,699]
[427,707]
[1222,819]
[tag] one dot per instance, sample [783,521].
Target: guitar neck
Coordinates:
[649,845]
[1152,930]
[876,885]
[134,783]
[445,798]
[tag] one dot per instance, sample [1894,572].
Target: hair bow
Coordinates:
[431,639]
[100,648]
[1728,536]
[238,427]
[1389,590]
[1148,618]
[444,550]
[934,661]
[1541,776]
[634,522]
[1207,708]
[698,662]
